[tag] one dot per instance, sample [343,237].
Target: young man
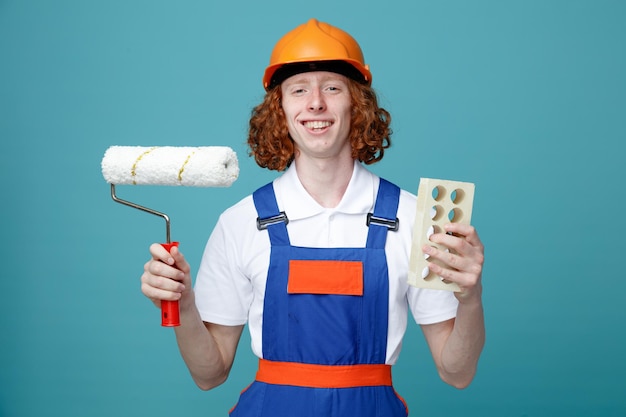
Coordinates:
[321,284]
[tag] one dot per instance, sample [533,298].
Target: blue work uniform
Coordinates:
[325,323]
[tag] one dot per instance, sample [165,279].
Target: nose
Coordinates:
[316,102]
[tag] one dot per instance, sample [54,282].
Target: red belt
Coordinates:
[323,376]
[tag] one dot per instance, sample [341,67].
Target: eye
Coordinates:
[333,89]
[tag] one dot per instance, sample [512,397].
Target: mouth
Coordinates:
[316,125]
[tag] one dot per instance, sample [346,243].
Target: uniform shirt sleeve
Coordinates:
[223,293]
[431,306]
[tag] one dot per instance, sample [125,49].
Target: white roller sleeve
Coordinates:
[205,166]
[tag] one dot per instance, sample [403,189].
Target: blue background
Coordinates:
[527,99]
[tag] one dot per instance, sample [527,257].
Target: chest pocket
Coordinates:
[330,277]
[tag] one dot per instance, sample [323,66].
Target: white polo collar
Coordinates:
[298,203]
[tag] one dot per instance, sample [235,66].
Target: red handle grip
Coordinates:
[170,315]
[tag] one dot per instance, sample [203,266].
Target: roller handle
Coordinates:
[170,315]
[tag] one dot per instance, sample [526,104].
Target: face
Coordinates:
[317,107]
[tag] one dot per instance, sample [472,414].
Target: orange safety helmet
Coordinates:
[316,46]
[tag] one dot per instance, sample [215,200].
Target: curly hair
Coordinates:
[272,147]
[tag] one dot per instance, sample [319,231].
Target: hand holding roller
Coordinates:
[209,166]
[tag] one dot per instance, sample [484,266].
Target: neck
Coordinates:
[325,180]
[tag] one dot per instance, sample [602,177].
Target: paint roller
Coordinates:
[205,166]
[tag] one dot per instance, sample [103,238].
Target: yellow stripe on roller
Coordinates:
[182,168]
[133,170]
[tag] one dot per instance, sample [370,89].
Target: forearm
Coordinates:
[207,349]
[207,361]
[460,354]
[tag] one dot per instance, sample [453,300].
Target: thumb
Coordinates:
[179,259]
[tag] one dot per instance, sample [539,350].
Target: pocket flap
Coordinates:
[325,277]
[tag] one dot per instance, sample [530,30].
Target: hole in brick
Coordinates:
[455,215]
[438,193]
[457,196]
[436,212]
[432,230]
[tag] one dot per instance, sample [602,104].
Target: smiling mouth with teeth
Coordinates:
[317,124]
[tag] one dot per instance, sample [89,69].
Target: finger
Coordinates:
[158,294]
[179,259]
[155,268]
[459,257]
[445,274]
[459,244]
[158,252]
[463,278]
[161,282]
[447,258]
[464,230]
[456,244]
